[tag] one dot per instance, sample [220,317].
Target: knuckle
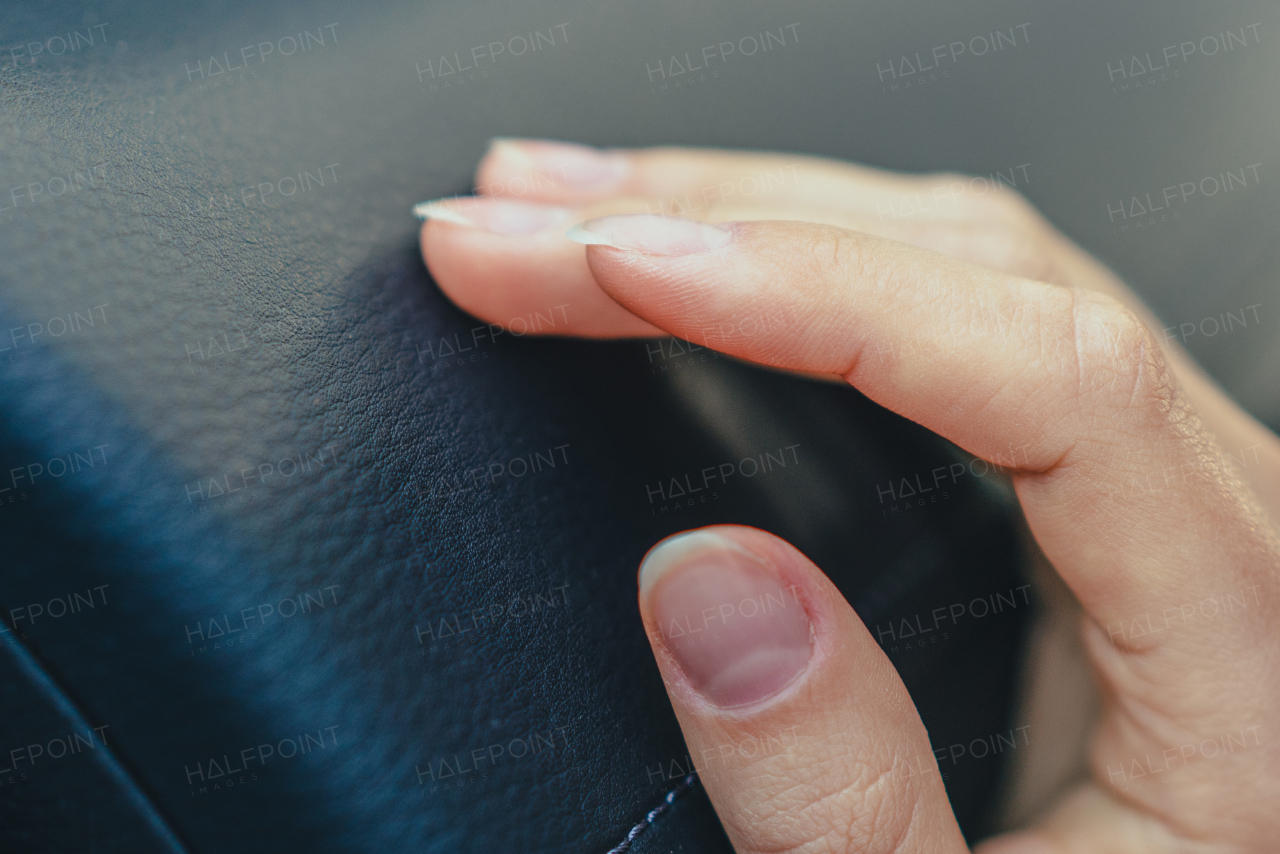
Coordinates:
[995,246]
[1014,252]
[980,197]
[1120,367]
[830,248]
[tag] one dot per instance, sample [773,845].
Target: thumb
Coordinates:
[801,730]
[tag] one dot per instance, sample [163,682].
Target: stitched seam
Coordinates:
[654,814]
[148,810]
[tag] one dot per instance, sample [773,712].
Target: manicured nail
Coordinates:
[738,632]
[656,235]
[578,166]
[439,209]
[502,216]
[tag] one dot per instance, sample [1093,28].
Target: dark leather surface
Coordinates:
[239,334]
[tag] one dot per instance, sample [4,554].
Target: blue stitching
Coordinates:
[625,845]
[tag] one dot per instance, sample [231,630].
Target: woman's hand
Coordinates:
[954,304]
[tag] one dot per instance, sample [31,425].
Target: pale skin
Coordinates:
[979,320]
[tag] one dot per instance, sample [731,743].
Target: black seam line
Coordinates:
[625,845]
[125,781]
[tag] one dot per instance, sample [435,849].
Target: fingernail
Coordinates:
[738,632]
[567,163]
[656,235]
[502,216]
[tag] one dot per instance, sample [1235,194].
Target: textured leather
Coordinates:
[249,394]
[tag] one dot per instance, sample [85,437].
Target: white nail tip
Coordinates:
[439,211]
[674,550]
[581,234]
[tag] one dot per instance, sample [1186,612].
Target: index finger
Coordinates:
[1065,387]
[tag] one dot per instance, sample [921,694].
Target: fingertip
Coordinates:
[736,609]
[675,550]
[652,234]
[784,698]
[506,262]
[549,169]
[502,161]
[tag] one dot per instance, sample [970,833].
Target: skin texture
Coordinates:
[980,321]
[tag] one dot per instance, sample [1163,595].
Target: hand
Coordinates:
[1153,495]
